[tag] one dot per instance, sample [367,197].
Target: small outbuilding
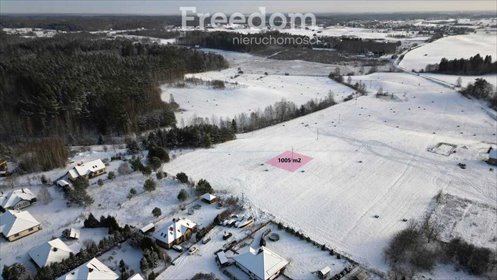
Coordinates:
[209,198]
[63,183]
[221,259]
[148,228]
[324,272]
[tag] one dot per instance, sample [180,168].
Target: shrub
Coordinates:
[133,147]
[203,187]
[111,175]
[149,185]
[158,152]
[218,84]
[124,169]
[182,177]
[81,182]
[156,212]
[155,162]
[146,170]
[100,182]
[159,175]
[15,272]
[182,195]
[44,179]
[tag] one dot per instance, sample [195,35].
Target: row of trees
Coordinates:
[279,112]
[198,135]
[233,41]
[476,65]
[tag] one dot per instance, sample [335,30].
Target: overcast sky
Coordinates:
[166,7]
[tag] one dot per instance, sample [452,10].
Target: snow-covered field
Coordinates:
[253,90]
[460,46]
[370,158]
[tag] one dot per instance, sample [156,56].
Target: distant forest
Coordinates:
[88,22]
[228,41]
[80,85]
[475,65]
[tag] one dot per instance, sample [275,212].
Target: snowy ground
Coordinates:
[253,90]
[460,46]
[374,161]
[472,221]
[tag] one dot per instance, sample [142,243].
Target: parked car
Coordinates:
[193,250]
[206,240]
[177,248]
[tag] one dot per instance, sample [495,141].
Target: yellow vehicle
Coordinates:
[3,168]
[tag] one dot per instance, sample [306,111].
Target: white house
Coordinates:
[16,224]
[175,233]
[88,169]
[261,264]
[50,252]
[17,199]
[92,270]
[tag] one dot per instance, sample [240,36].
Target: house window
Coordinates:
[16,235]
[31,229]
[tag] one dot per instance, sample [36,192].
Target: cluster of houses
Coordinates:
[15,223]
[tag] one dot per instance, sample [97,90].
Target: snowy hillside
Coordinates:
[460,46]
[295,81]
[369,158]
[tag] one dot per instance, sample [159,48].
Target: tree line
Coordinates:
[232,41]
[198,135]
[279,112]
[475,65]
[81,85]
